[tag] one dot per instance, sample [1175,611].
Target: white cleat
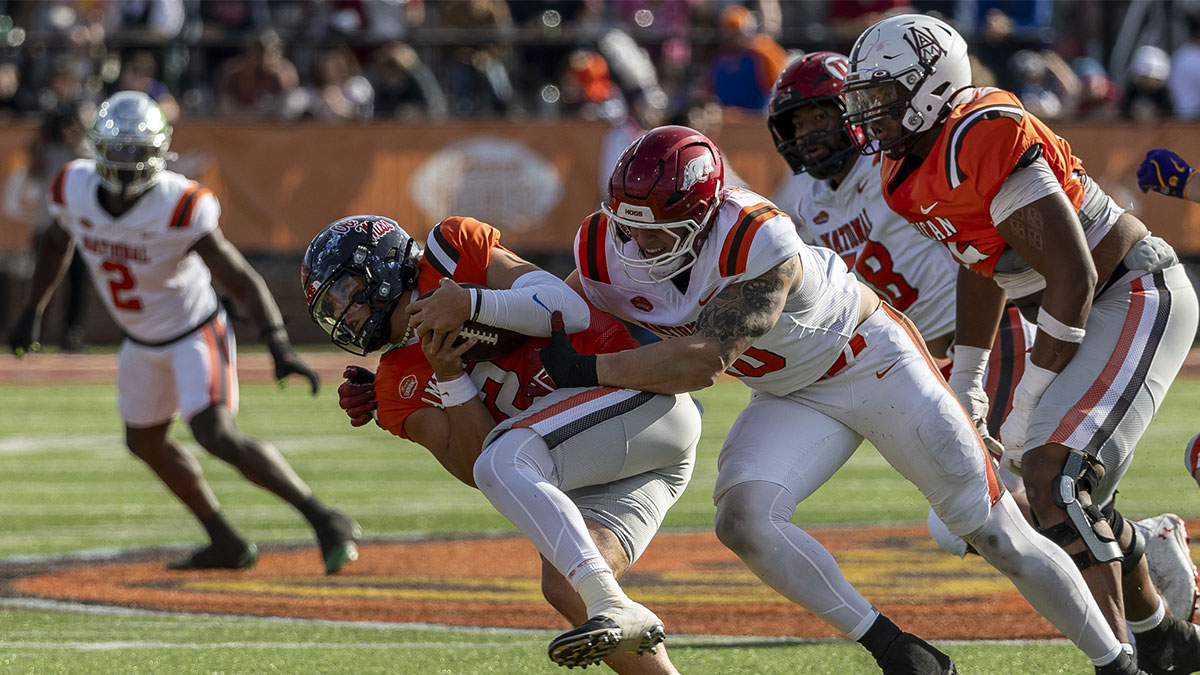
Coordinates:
[629,627]
[1170,562]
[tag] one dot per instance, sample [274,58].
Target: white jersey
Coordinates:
[154,286]
[912,273]
[749,236]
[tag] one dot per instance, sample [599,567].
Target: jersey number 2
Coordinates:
[119,282]
[879,273]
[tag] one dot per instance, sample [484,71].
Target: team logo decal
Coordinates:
[697,169]
[641,303]
[924,44]
[408,386]
[821,218]
[836,67]
[375,228]
[310,292]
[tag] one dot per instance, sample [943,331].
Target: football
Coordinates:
[493,341]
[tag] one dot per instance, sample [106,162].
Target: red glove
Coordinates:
[357,395]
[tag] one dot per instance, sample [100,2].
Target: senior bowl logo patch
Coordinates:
[641,303]
[408,386]
[821,218]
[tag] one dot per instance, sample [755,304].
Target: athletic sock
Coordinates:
[879,636]
[221,532]
[1151,622]
[314,511]
[599,590]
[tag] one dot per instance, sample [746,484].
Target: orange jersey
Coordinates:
[461,249]
[949,196]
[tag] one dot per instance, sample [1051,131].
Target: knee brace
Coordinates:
[1080,476]
[1132,555]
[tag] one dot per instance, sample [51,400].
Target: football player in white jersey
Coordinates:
[150,239]
[840,205]
[722,275]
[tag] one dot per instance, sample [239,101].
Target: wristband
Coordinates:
[476,303]
[970,361]
[457,391]
[1057,329]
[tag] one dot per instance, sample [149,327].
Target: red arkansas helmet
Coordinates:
[811,79]
[669,179]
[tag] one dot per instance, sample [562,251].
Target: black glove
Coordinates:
[357,395]
[23,336]
[564,365]
[287,363]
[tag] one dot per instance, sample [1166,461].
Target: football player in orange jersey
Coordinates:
[1116,314]
[151,241]
[586,474]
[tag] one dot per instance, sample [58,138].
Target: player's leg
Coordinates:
[562,597]
[942,454]
[206,372]
[147,401]
[572,440]
[1085,427]
[777,453]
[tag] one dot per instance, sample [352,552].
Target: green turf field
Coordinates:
[67,484]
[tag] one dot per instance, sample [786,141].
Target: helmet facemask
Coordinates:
[881,100]
[672,262]
[794,149]
[130,139]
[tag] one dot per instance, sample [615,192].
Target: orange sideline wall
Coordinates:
[535,180]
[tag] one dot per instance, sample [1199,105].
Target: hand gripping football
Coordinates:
[493,341]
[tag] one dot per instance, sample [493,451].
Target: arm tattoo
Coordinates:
[745,311]
[1027,223]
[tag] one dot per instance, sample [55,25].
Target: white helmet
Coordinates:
[907,67]
[131,137]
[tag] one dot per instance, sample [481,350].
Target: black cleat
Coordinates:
[1122,666]
[338,539]
[601,636]
[910,655]
[211,558]
[1170,648]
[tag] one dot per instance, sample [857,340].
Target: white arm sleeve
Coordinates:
[526,307]
[1024,187]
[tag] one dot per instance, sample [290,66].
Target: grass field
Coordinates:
[67,484]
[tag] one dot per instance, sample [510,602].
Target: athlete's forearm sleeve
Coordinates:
[526,307]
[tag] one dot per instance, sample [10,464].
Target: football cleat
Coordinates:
[212,558]
[910,655]
[631,628]
[1171,647]
[1170,561]
[1122,666]
[338,539]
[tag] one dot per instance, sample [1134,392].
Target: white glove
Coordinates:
[1013,432]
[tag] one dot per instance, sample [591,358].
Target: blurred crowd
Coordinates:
[645,60]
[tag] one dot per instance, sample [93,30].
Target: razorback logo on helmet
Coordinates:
[697,169]
[375,228]
[408,386]
[640,302]
[924,44]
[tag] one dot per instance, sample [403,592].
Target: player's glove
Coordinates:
[1164,172]
[357,395]
[23,336]
[1013,433]
[564,365]
[288,363]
